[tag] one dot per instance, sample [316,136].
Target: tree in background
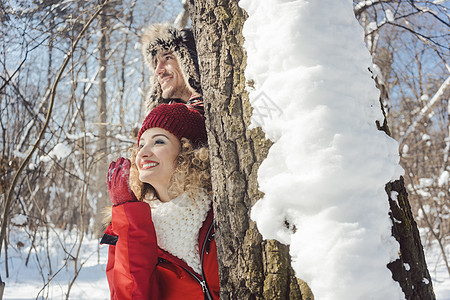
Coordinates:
[102,141]
[408,41]
[56,190]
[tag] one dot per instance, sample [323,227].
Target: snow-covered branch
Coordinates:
[425,109]
[363,5]
[183,17]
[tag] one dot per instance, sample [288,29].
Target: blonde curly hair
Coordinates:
[192,173]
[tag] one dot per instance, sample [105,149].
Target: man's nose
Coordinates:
[159,68]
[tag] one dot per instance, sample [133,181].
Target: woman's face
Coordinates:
[156,159]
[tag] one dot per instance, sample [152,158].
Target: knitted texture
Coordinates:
[179,119]
[181,43]
[177,225]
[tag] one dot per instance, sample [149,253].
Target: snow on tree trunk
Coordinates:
[325,175]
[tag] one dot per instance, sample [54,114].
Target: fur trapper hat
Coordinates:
[164,37]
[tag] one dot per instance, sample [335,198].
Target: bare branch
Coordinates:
[425,109]
[49,112]
[183,16]
[366,4]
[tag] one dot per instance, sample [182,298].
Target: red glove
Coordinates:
[118,182]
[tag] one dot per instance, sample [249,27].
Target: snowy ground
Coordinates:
[438,272]
[26,282]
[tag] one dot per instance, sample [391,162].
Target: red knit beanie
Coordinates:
[179,119]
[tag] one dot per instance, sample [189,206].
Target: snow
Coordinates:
[60,151]
[394,197]
[27,281]
[326,171]
[426,137]
[443,178]
[405,149]
[389,15]
[424,183]
[19,220]
[79,135]
[438,271]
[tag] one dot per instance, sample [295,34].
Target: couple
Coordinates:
[161,232]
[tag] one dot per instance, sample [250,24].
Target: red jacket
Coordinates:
[138,269]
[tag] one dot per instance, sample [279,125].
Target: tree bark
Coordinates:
[2,288]
[101,147]
[410,270]
[248,267]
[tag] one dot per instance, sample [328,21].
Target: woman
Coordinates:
[161,233]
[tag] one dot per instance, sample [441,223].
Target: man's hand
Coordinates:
[118,182]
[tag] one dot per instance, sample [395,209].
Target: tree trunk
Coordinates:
[101,147]
[410,270]
[2,288]
[248,267]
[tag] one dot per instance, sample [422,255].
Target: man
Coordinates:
[172,56]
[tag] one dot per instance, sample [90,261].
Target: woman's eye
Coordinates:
[159,141]
[141,146]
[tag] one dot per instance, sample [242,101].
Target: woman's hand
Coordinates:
[118,182]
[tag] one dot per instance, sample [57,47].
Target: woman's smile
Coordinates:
[148,164]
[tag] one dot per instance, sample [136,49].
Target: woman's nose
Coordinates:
[145,152]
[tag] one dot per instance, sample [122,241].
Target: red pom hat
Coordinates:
[179,119]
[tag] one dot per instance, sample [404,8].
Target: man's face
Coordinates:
[170,77]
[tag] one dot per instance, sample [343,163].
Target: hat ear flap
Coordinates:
[188,39]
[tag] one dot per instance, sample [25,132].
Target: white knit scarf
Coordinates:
[177,225]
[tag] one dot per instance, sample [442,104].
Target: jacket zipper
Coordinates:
[202,283]
[206,241]
[202,280]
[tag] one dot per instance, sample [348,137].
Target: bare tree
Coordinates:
[56,190]
[102,141]
[52,95]
[409,44]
